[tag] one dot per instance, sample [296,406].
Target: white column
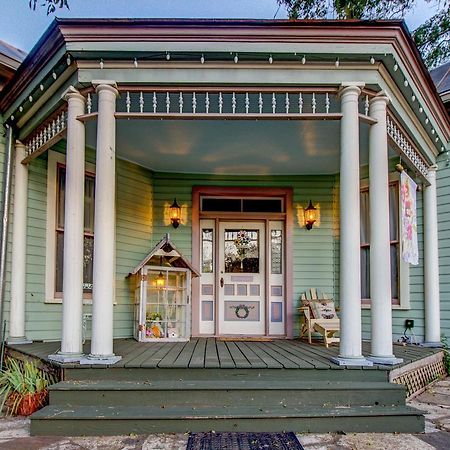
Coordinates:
[431,262]
[380,266]
[350,276]
[72,306]
[19,249]
[104,228]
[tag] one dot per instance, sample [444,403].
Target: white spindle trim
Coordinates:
[180,102]
[287,103]
[260,103]
[194,103]
[313,103]
[233,103]
[141,102]
[207,103]
[274,103]
[128,102]
[300,103]
[247,103]
[154,103]
[327,103]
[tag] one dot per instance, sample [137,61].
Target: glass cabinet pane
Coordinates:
[166,304]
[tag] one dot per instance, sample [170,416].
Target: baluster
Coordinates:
[233,103]
[366,105]
[300,103]
[49,131]
[274,103]
[194,103]
[207,103]
[53,128]
[40,139]
[313,103]
[180,102]
[287,103]
[167,103]
[220,103]
[128,102]
[327,103]
[44,139]
[89,103]
[141,102]
[58,125]
[155,102]
[247,103]
[260,103]
[63,120]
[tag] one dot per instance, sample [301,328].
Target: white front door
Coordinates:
[241,290]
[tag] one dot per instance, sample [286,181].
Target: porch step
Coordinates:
[334,374]
[142,419]
[226,393]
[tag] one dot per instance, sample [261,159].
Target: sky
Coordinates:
[22,28]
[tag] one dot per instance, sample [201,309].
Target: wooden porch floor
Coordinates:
[211,353]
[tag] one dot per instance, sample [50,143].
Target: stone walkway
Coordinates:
[14,434]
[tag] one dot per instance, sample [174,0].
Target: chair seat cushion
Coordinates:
[323,309]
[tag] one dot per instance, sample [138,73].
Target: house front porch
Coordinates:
[236,385]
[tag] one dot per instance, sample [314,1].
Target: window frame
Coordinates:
[56,160]
[403,269]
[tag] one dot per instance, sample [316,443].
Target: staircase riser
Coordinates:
[96,427]
[228,397]
[144,374]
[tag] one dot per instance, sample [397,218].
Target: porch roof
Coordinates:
[388,41]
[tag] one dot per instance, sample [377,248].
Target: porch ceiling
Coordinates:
[272,147]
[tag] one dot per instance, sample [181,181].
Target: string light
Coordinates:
[101,64]
[68,60]
[236,58]
[168,56]
[202,59]
[135,62]
[336,63]
[372,60]
[303,59]
[270,59]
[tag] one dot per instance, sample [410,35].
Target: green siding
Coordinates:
[443,198]
[313,251]
[142,198]
[133,231]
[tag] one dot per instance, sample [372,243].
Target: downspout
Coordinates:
[5,220]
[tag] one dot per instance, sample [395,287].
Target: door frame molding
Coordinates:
[238,191]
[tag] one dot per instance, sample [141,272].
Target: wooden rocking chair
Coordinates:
[313,316]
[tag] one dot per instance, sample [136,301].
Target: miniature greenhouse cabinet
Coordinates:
[162,295]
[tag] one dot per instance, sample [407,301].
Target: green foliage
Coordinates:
[345,9]
[51,5]
[432,38]
[446,353]
[18,380]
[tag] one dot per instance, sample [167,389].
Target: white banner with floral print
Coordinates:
[410,248]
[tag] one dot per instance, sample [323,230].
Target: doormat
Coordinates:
[245,339]
[243,441]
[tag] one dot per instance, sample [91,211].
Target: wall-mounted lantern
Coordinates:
[310,216]
[175,213]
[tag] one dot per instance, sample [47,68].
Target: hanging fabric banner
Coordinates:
[410,248]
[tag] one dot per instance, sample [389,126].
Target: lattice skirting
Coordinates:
[419,374]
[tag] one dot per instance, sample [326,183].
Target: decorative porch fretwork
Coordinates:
[235,103]
[405,147]
[47,135]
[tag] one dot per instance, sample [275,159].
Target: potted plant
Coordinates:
[153,326]
[23,387]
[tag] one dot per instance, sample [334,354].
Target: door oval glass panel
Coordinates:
[241,251]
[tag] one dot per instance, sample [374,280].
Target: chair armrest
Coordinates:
[305,311]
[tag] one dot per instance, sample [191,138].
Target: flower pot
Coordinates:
[29,403]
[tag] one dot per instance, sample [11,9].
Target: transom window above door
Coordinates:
[239,204]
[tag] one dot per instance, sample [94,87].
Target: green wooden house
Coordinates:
[279,141]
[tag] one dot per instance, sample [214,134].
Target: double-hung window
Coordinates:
[56,183]
[394,232]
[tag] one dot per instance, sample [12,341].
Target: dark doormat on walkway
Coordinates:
[243,441]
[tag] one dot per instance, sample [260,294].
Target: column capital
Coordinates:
[105,85]
[347,88]
[72,93]
[432,170]
[380,97]
[19,144]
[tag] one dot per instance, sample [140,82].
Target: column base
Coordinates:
[104,360]
[66,357]
[18,340]
[432,344]
[385,360]
[342,361]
